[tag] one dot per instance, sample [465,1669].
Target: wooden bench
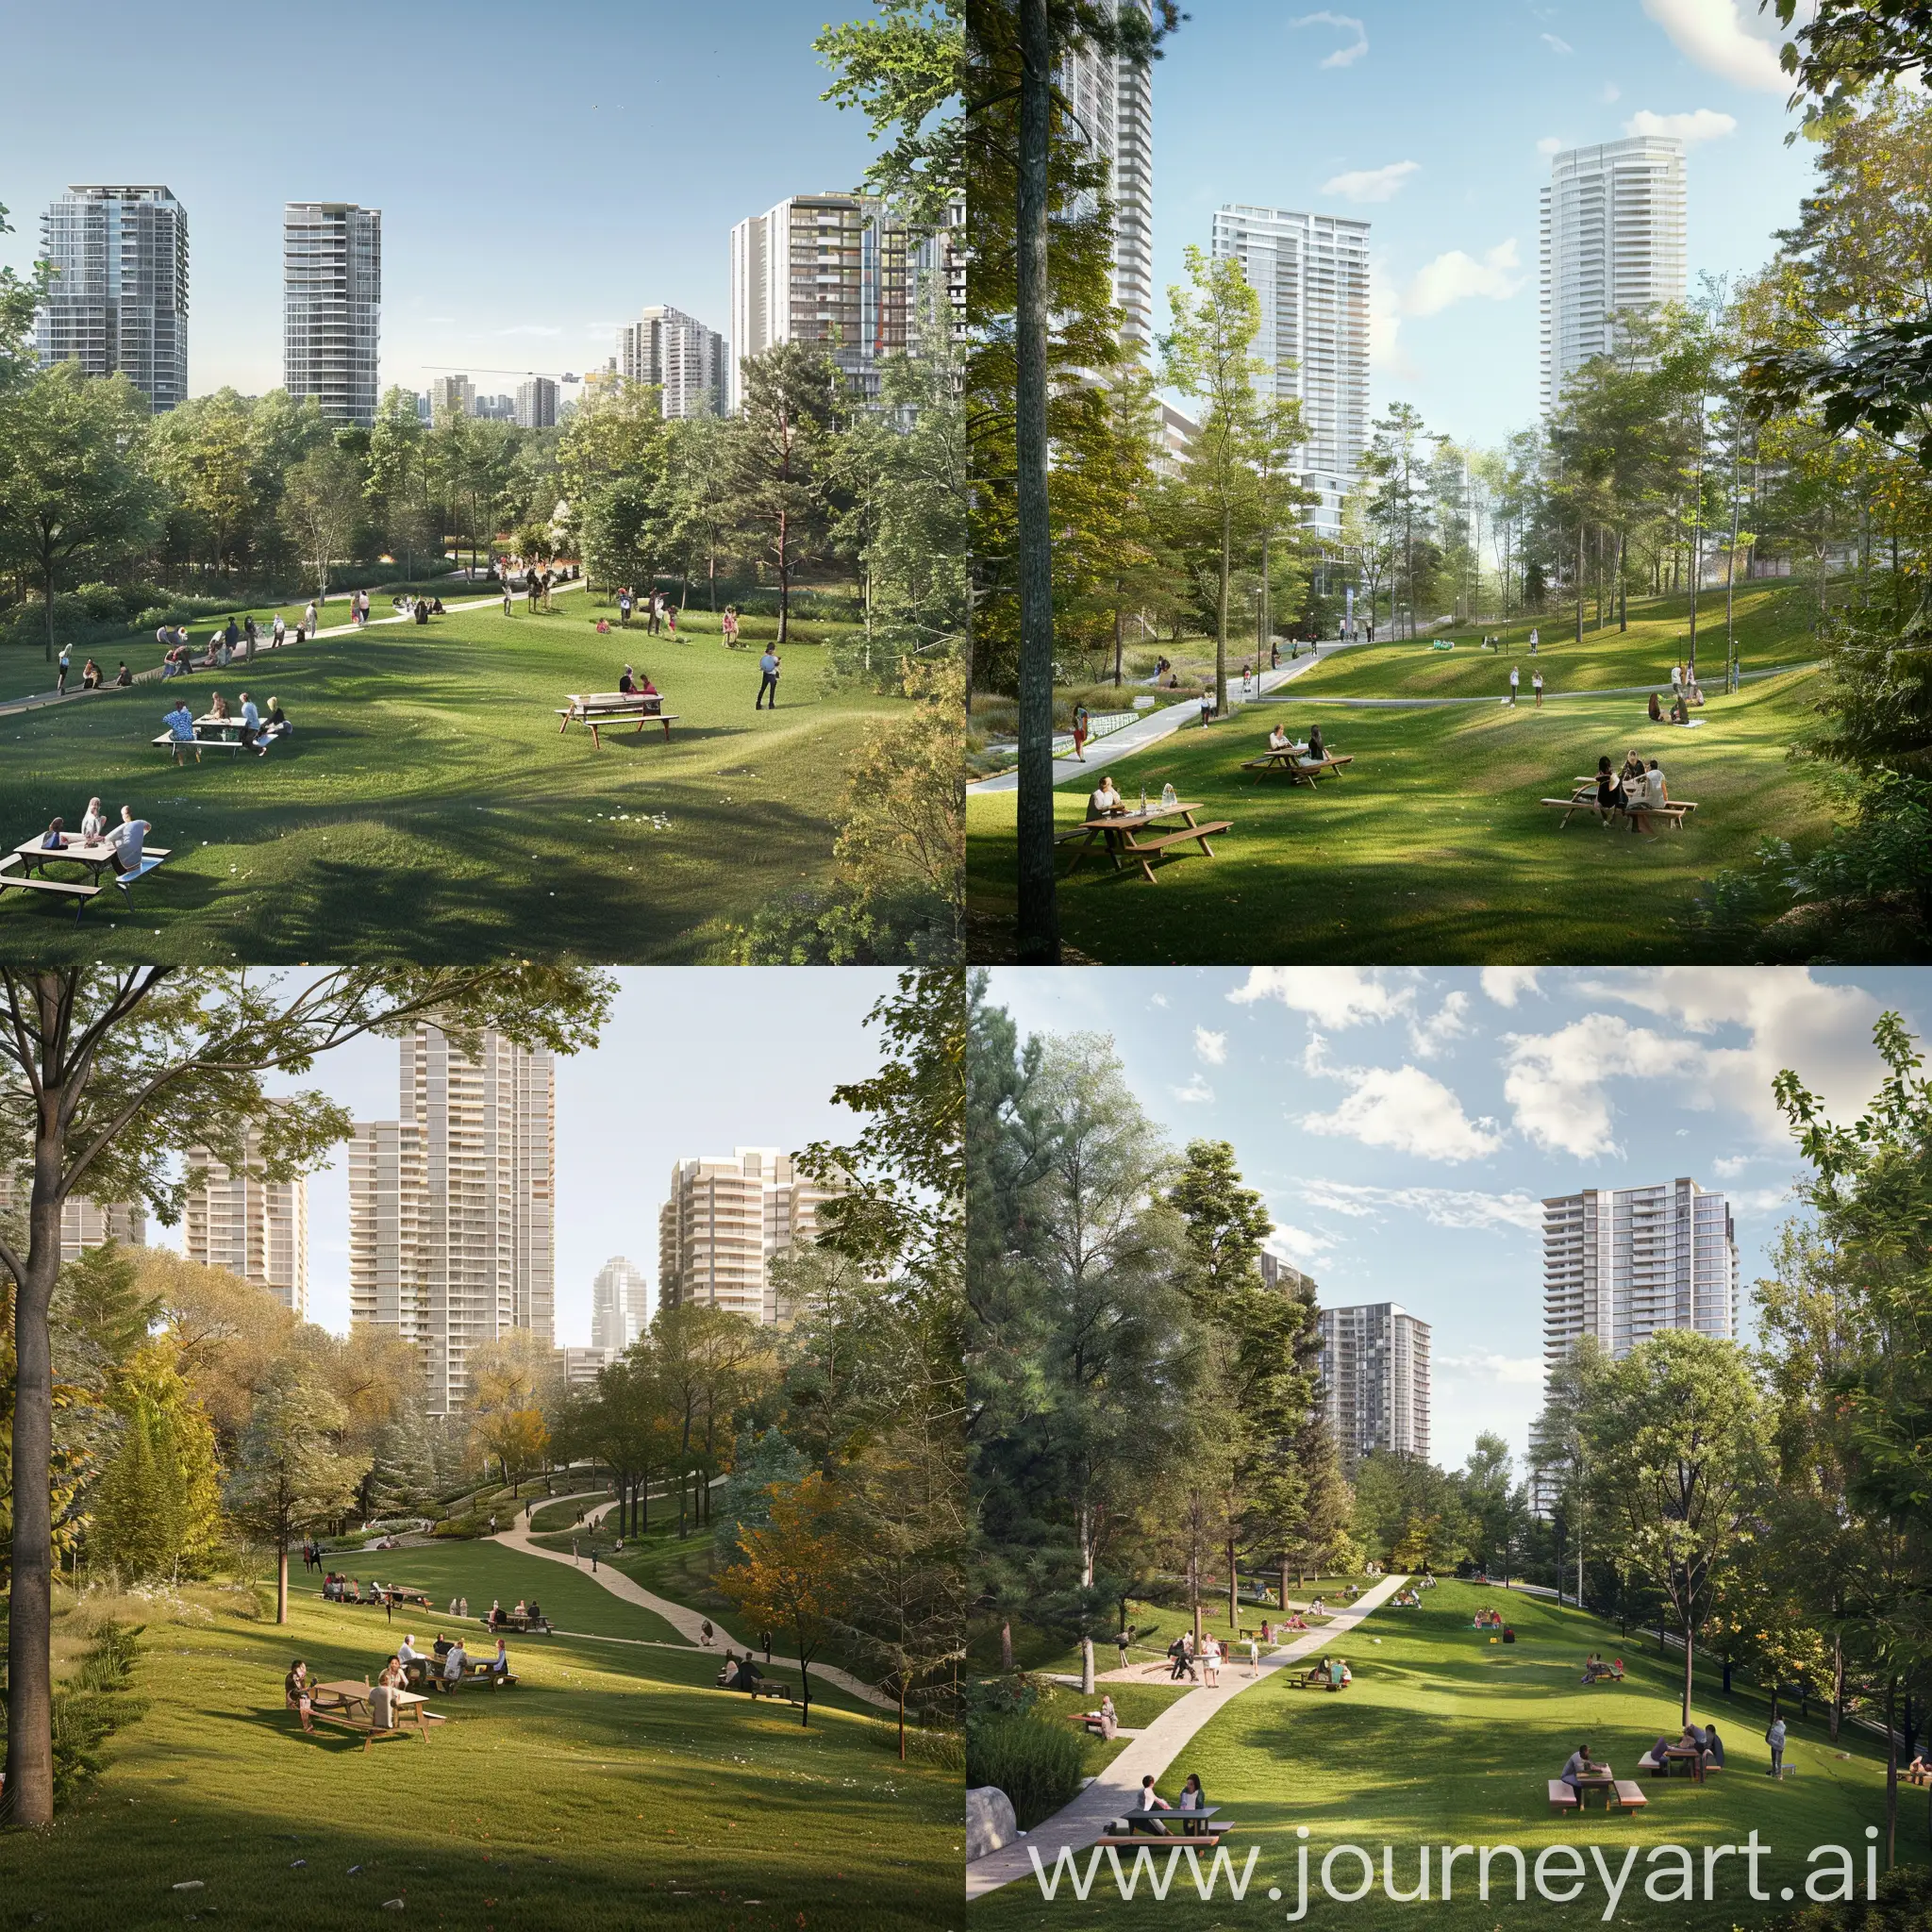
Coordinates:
[1626,1795]
[1299,770]
[1181,838]
[77,889]
[1203,1837]
[1563,1797]
[1306,1681]
[599,708]
[364,1727]
[1676,811]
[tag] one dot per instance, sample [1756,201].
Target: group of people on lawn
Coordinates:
[1638,789]
[259,729]
[1704,1740]
[126,838]
[89,673]
[446,1665]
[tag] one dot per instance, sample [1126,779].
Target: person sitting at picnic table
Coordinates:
[499,1664]
[1580,1765]
[1713,1748]
[1278,740]
[1110,1717]
[442,1647]
[1632,773]
[218,706]
[1149,1802]
[89,676]
[1656,791]
[1609,787]
[1658,1753]
[181,723]
[296,1693]
[495,1616]
[628,682]
[519,1613]
[408,1652]
[251,727]
[382,1697]
[93,821]
[455,1663]
[55,838]
[1104,801]
[1918,1772]
[1318,749]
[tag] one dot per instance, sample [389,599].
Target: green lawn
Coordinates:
[427,807]
[1444,1737]
[1433,846]
[614,1786]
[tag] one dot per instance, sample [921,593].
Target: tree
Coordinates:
[696,494]
[75,492]
[319,505]
[1676,1436]
[396,479]
[789,1577]
[762,1462]
[19,295]
[158,1505]
[1495,1506]
[518,1439]
[107,1071]
[290,1477]
[780,460]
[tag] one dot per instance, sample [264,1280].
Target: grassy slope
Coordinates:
[1447,1738]
[427,804]
[565,1804]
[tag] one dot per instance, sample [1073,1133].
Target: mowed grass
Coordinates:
[427,807]
[1433,845]
[1444,1737]
[613,1787]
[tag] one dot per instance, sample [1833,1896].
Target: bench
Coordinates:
[1167,839]
[72,888]
[364,1727]
[1203,1837]
[609,707]
[1300,772]
[1627,1796]
[1564,1797]
[1303,1681]
[1674,812]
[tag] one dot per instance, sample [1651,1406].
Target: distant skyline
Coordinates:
[538,189]
[694,1060]
[1436,123]
[1404,1127]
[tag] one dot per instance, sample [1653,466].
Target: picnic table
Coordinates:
[1674,811]
[1294,761]
[1202,1822]
[1601,1780]
[341,1703]
[25,867]
[1117,832]
[218,734]
[599,708]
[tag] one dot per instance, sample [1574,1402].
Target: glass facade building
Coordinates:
[332,306]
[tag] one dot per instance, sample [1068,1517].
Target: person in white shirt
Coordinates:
[1278,740]
[281,629]
[1656,791]
[1515,678]
[93,821]
[406,1650]
[1104,801]
[251,727]
[453,1664]
[126,838]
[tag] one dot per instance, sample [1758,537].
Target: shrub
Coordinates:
[1036,1763]
[91,1707]
[1903,1905]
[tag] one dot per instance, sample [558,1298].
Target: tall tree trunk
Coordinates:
[282,1578]
[1580,579]
[1837,1685]
[1234,1592]
[1007,1644]
[1220,618]
[1038,935]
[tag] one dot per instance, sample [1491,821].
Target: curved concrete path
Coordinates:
[685,1621]
[1527,702]
[1077,1826]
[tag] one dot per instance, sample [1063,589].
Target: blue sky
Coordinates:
[693,1060]
[1430,121]
[541,176]
[1405,1125]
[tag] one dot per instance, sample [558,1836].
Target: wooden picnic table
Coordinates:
[1294,761]
[1688,1754]
[346,1696]
[25,867]
[1116,831]
[598,708]
[1601,1780]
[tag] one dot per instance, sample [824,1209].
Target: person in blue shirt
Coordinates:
[768,667]
[181,723]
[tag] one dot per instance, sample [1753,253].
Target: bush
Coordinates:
[1903,1905]
[1036,1763]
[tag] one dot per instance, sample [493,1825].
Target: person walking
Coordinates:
[1081,727]
[508,610]
[593,1559]
[66,664]
[1536,685]
[768,669]
[729,627]
[1515,679]
[1776,1738]
[573,1556]
[1532,641]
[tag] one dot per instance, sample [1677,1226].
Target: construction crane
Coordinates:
[473,369]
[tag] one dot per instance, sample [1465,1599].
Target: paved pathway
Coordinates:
[1161,723]
[686,1622]
[241,666]
[1527,701]
[1153,1749]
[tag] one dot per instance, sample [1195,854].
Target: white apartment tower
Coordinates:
[1310,274]
[1625,1263]
[832,271]
[452,1206]
[726,1222]
[332,306]
[1374,1380]
[620,1305]
[536,404]
[252,1226]
[1112,105]
[118,301]
[690,364]
[1613,243]
[451,395]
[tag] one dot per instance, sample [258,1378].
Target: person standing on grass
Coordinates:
[1774,1737]
[1536,684]
[768,670]
[296,1693]
[1515,679]
[729,627]
[1532,642]
[66,664]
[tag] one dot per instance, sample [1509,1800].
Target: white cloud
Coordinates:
[1386,355]
[1713,35]
[1344,55]
[1556,1082]
[1409,1110]
[1486,1366]
[1549,144]
[1555,43]
[1299,1246]
[1158,999]
[530,329]
[1332,995]
[1506,985]
[1456,276]
[1707,124]
[1372,184]
[1428,1033]
[1610,92]
[1440,1206]
[1212,1048]
[1196,1091]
